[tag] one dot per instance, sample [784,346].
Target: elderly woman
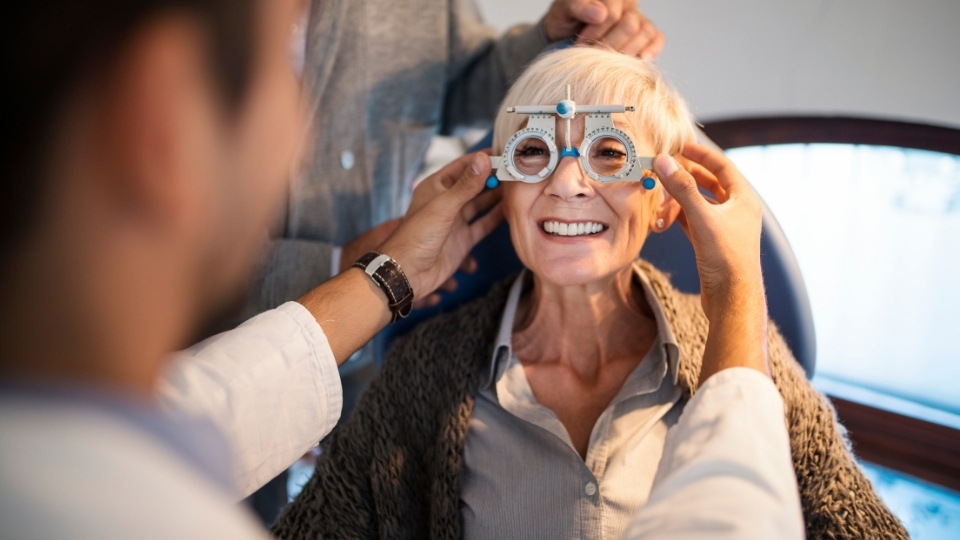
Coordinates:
[541,410]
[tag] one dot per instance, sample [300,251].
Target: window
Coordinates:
[876,231]
[872,212]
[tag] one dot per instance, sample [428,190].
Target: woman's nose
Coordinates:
[569,181]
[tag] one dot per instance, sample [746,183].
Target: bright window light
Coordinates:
[876,232]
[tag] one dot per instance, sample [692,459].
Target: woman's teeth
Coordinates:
[571,229]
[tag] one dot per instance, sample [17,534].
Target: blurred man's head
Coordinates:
[146,146]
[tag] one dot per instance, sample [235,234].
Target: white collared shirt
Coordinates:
[83,463]
[726,471]
[71,468]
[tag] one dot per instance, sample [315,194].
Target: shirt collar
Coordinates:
[669,342]
[502,350]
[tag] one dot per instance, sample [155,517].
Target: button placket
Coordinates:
[347,160]
[590,489]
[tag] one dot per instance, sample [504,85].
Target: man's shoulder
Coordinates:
[74,474]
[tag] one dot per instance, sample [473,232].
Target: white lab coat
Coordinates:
[271,387]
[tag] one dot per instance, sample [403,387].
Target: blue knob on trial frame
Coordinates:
[649,183]
[492,181]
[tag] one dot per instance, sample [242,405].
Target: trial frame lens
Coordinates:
[608,155]
[531,167]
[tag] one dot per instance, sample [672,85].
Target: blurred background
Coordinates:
[875,58]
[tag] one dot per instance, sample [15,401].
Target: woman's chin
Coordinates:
[575,273]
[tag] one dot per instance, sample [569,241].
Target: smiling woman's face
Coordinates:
[571,230]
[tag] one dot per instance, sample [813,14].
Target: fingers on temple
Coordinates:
[717,164]
[469,265]
[480,204]
[708,181]
[474,176]
[678,182]
[429,301]
[485,224]
[470,171]
[453,171]
[449,285]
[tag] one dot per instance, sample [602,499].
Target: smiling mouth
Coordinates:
[583,228]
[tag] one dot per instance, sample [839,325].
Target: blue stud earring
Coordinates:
[492,181]
[649,183]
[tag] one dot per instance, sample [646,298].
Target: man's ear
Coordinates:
[156,126]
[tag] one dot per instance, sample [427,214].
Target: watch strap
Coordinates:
[388,275]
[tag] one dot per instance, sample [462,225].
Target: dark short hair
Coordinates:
[50,46]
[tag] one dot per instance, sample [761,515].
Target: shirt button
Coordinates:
[347,160]
[590,489]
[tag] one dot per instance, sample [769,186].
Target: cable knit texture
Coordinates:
[393,469]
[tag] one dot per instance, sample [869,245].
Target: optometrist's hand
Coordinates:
[725,234]
[448,215]
[618,24]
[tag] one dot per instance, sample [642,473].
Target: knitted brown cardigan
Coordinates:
[393,469]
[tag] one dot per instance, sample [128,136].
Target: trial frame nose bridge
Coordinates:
[598,125]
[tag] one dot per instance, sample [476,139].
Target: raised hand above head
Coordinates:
[448,215]
[618,24]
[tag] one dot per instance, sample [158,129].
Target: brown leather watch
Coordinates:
[386,273]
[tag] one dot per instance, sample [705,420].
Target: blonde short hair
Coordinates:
[601,77]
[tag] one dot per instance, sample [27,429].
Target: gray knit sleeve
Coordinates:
[291,268]
[482,66]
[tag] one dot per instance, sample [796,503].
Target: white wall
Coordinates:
[895,59]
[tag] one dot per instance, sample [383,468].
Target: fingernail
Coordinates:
[475,165]
[665,165]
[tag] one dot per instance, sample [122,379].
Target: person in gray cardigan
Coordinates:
[541,410]
[386,77]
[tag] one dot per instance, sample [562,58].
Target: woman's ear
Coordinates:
[665,213]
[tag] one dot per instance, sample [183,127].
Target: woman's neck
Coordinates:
[584,326]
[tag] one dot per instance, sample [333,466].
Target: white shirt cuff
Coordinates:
[336,253]
[726,470]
